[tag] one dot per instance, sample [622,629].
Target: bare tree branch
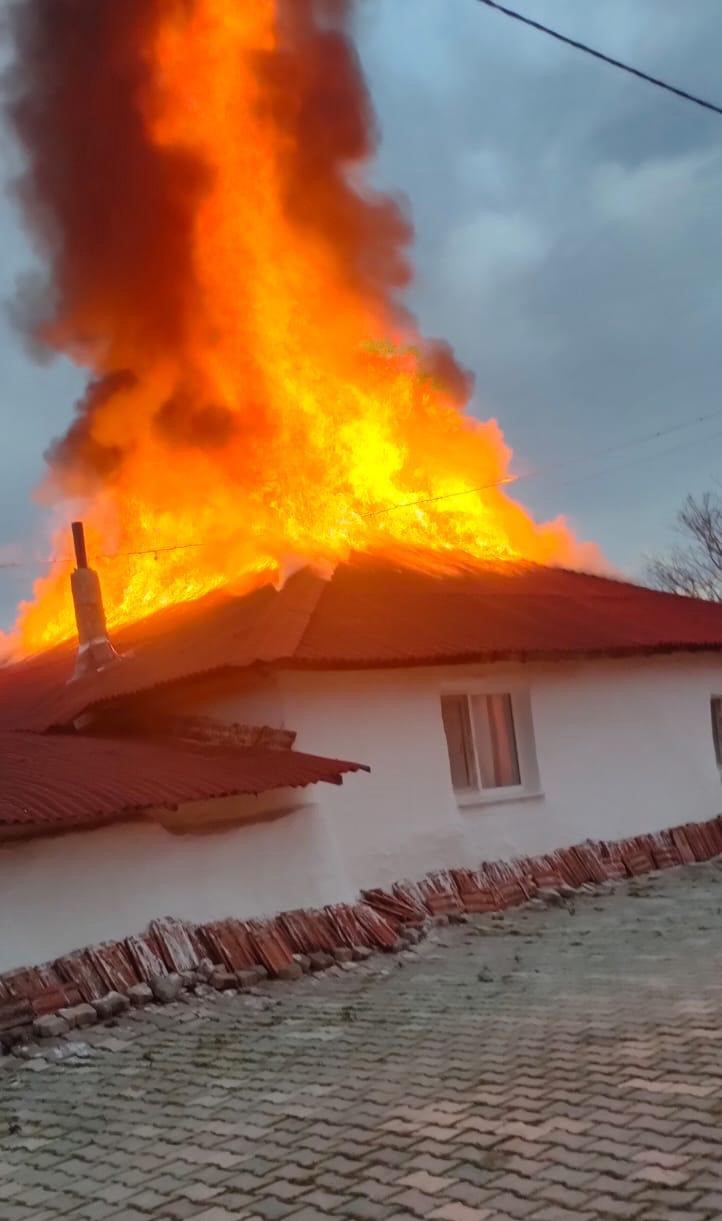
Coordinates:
[694,566]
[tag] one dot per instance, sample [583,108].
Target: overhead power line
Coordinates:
[634,464]
[607,59]
[563,463]
[539,471]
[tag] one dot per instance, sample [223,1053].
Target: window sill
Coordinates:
[472,801]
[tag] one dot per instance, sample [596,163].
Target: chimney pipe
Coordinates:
[81,554]
[95,651]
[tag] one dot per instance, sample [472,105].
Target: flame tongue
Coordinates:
[230,281]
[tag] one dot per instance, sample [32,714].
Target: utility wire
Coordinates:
[550,466]
[483,487]
[622,466]
[497,483]
[112,555]
[607,59]
[153,550]
[538,471]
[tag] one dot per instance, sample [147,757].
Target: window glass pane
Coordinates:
[503,739]
[457,727]
[716,707]
[496,742]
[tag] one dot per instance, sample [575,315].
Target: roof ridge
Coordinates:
[313,601]
[459,564]
[287,617]
[625,582]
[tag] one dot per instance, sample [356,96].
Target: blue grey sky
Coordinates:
[567,221]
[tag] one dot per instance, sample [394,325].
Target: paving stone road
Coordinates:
[558,1063]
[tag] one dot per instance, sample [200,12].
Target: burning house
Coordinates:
[489,713]
[218,261]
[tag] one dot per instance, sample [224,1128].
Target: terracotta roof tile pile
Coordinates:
[145,954]
[663,850]
[307,931]
[379,921]
[475,891]
[40,988]
[637,859]
[403,905]
[272,948]
[497,884]
[546,872]
[371,613]
[348,929]
[228,943]
[440,895]
[377,931]
[177,942]
[78,971]
[510,881]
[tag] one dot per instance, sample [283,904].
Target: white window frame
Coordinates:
[521,707]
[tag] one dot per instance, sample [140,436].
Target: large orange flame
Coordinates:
[257,391]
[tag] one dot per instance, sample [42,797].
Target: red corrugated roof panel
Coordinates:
[219,631]
[371,612]
[60,781]
[392,615]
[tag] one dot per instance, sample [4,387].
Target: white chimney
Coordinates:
[95,651]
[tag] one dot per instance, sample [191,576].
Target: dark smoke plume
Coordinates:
[318,96]
[184,422]
[114,214]
[78,458]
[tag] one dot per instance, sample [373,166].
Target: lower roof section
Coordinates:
[58,782]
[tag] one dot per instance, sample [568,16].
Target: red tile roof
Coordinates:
[371,613]
[58,782]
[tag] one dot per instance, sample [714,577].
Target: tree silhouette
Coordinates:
[694,565]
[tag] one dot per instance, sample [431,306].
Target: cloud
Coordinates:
[567,237]
[662,192]
[489,248]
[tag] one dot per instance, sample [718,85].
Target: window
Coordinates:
[490,741]
[716,709]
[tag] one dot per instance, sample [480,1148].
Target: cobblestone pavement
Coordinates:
[557,1063]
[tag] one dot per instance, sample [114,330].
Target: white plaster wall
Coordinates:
[402,820]
[622,747]
[70,891]
[251,698]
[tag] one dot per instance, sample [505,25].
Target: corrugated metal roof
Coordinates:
[390,615]
[371,613]
[61,781]
[219,631]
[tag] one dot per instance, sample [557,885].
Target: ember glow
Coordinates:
[197,180]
